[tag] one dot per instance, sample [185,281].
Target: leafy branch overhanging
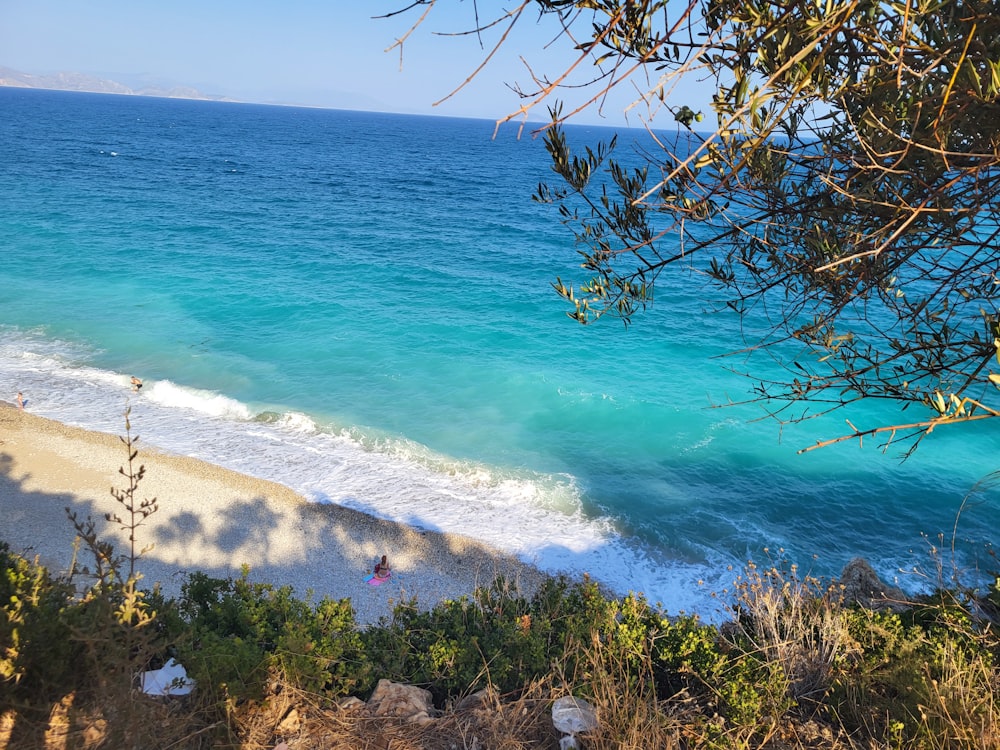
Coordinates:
[848,195]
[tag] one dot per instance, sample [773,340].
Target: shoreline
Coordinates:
[216,520]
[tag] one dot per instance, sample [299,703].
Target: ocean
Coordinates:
[359,306]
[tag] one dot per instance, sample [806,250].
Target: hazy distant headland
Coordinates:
[67,81]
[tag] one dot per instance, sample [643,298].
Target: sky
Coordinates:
[330,53]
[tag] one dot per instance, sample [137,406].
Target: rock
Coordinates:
[862,586]
[421,719]
[476,700]
[350,703]
[402,701]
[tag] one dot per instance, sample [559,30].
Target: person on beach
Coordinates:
[20,401]
[382,570]
[136,384]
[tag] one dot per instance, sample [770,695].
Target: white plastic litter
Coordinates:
[172,679]
[571,716]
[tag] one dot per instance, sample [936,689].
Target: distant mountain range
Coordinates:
[82,82]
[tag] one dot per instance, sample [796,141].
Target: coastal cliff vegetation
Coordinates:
[797,663]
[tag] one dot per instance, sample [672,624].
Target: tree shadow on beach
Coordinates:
[32,519]
[241,525]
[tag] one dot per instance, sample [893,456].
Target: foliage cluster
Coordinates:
[839,191]
[926,677]
[233,635]
[847,193]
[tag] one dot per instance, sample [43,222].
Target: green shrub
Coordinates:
[455,648]
[925,677]
[37,654]
[239,633]
[496,637]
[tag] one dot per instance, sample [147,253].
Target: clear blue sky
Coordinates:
[313,52]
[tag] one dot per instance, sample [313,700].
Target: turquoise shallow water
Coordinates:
[358,305]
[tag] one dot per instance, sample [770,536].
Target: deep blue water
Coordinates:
[358,305]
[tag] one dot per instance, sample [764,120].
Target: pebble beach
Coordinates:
[217,521]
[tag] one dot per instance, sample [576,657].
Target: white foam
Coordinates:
[297,422]
[536,517]
[212,404]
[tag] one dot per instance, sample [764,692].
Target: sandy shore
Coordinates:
[215,520]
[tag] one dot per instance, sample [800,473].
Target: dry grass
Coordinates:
[960,706]
[797,623]
[86,724]
[959,714]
